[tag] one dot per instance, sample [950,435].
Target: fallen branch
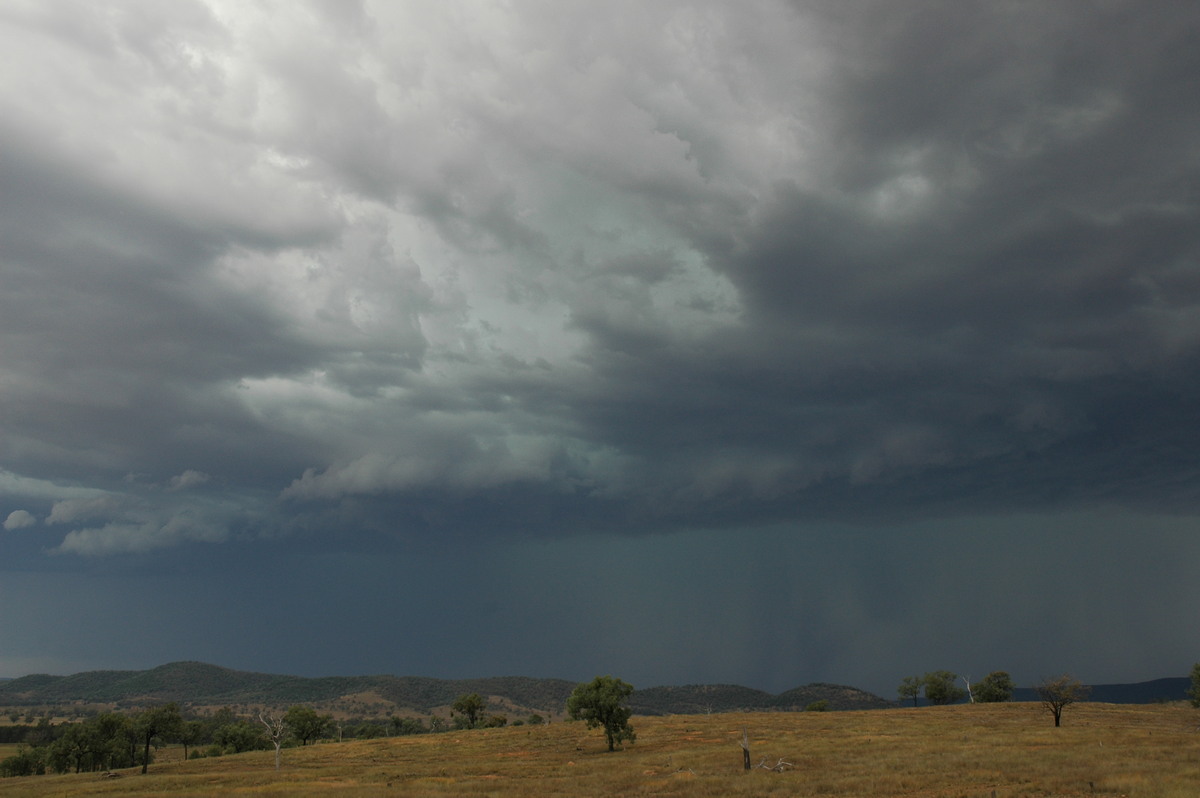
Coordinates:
[778,767]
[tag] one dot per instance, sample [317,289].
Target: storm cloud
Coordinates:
[456,283]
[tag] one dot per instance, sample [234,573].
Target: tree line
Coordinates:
[109,741]
[941,687]
[114,740]
[1055,694]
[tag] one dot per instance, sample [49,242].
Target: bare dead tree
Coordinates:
[276,732]
[967,682]
[745,749]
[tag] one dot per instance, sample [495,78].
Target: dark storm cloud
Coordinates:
[114,331]
[987,291]
[356,281]
[964,266]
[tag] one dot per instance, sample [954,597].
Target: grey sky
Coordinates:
[798,341]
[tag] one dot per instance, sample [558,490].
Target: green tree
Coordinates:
[405,726]
[470,707]
[1194,690]
[222,717]
[190,733]
[306,724]
[940,688]
[73,750]
[26,762]
[366,731]
[1059,693]
[601,702]
[239,737]
[117,740]
[910,687]
[161,721]
[996,687]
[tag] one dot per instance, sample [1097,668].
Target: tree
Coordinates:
[306,724]
[941,689]
[116,740]
[470,706]
[26,762]
[996,687]
[157,722]
[910,687]
[1194,691]
[277,729]
[191,733]
[74,749]
[1059,693]
[238,737]
[601,702]
[404,726]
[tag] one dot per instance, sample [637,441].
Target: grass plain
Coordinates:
[965,751]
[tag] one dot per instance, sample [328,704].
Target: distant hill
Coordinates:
[199,684]
[1152,692]
[703,698]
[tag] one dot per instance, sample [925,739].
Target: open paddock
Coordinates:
[965,751]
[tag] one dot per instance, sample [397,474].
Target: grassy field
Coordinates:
[949,752]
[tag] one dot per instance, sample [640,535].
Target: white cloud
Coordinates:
[117,538]
[19,519]
[464,468]
[69,510]
[13,484]
[188,479]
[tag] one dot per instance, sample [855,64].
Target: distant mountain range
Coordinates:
[197,684]
[201,684]
[1152,692]
[702,698]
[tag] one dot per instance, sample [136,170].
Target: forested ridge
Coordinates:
[198,683]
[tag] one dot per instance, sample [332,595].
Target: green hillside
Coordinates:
[201,684]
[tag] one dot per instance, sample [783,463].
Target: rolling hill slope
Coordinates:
[201,684]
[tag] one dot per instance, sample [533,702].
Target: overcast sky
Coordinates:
[763,343]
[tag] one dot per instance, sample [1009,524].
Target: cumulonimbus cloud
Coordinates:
[710,264]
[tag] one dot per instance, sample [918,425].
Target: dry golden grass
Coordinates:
[952,752]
